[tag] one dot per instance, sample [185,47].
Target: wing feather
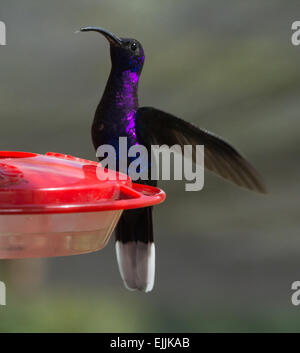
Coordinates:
[154,126]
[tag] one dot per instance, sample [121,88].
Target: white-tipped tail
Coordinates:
[136,262]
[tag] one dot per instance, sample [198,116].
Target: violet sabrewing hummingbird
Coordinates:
[118,115]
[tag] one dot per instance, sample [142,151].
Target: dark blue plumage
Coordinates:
[118,115]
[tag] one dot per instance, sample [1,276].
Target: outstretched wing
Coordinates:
[154,126]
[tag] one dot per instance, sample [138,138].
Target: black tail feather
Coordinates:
[135,249]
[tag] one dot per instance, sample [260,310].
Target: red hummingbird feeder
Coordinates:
[58,205]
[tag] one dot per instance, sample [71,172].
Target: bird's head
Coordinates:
[126,54]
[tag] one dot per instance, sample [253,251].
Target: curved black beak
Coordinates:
[113,39]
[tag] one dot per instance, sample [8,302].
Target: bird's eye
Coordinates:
[133,46]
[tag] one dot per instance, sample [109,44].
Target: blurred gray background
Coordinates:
[226,257]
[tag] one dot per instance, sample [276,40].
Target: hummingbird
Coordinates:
[118,114]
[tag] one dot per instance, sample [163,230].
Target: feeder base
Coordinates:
[49,235]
